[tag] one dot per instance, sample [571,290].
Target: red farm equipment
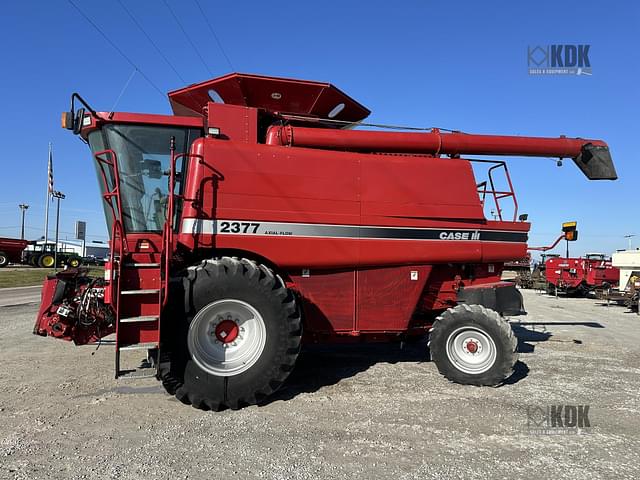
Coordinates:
[256,219]
[11,250]
[575,276]
[580,276]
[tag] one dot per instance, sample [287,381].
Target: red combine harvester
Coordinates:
[254,220]
[579,276]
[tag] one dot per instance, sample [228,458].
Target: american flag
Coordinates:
[50,170]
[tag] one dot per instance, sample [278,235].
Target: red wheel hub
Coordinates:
[227,331]
[472,347]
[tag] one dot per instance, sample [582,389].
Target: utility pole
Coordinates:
[59,196]
[23,207]
[629,237]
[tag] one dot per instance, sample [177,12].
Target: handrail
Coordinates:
[117,228]
[167,231]
[496,194]
[115,191]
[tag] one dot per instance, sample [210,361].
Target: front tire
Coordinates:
[240,337]
[473,345]
[4,260]
[46,260]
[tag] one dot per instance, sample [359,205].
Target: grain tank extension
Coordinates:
[257,218]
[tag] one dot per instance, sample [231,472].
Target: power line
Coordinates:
[206,19]
[187,37]
[104,35]
[155,45]
[164,57]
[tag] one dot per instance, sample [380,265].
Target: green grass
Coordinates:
[27,276]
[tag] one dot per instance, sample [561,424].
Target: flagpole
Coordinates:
[46,207]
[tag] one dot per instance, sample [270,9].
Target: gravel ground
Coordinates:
[366,411]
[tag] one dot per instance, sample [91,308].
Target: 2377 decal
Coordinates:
[239,227]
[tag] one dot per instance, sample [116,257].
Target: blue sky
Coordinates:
[460,65]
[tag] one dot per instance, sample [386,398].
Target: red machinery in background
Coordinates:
[11,250]
[576,276]
[251,221]
[525,273]
[579,276]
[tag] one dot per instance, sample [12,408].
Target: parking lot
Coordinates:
[351,411]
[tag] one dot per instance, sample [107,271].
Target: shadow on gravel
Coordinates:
[526,335]
[520,371]
[321,366]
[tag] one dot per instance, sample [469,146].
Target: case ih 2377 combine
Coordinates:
[252,221]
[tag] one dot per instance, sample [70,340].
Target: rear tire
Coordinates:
[243,300]
[473,345]
[4,260]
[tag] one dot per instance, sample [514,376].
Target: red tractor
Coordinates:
[256,219]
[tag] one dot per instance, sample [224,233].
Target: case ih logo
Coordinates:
[460,235]
[558,419]
[558,60]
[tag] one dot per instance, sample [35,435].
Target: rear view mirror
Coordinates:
[77,124]
[151,168]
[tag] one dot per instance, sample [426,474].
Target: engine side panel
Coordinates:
[339,209]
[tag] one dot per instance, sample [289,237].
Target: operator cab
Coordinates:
[143,156]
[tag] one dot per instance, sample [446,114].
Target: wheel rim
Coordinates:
[471,350]
[226,337]
[47,261]
[75,263]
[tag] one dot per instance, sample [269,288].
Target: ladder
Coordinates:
[139,304]
[137,277]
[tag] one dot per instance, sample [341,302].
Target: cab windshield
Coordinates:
[143,154]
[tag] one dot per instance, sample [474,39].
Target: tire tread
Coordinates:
[474,314]
[262,278]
